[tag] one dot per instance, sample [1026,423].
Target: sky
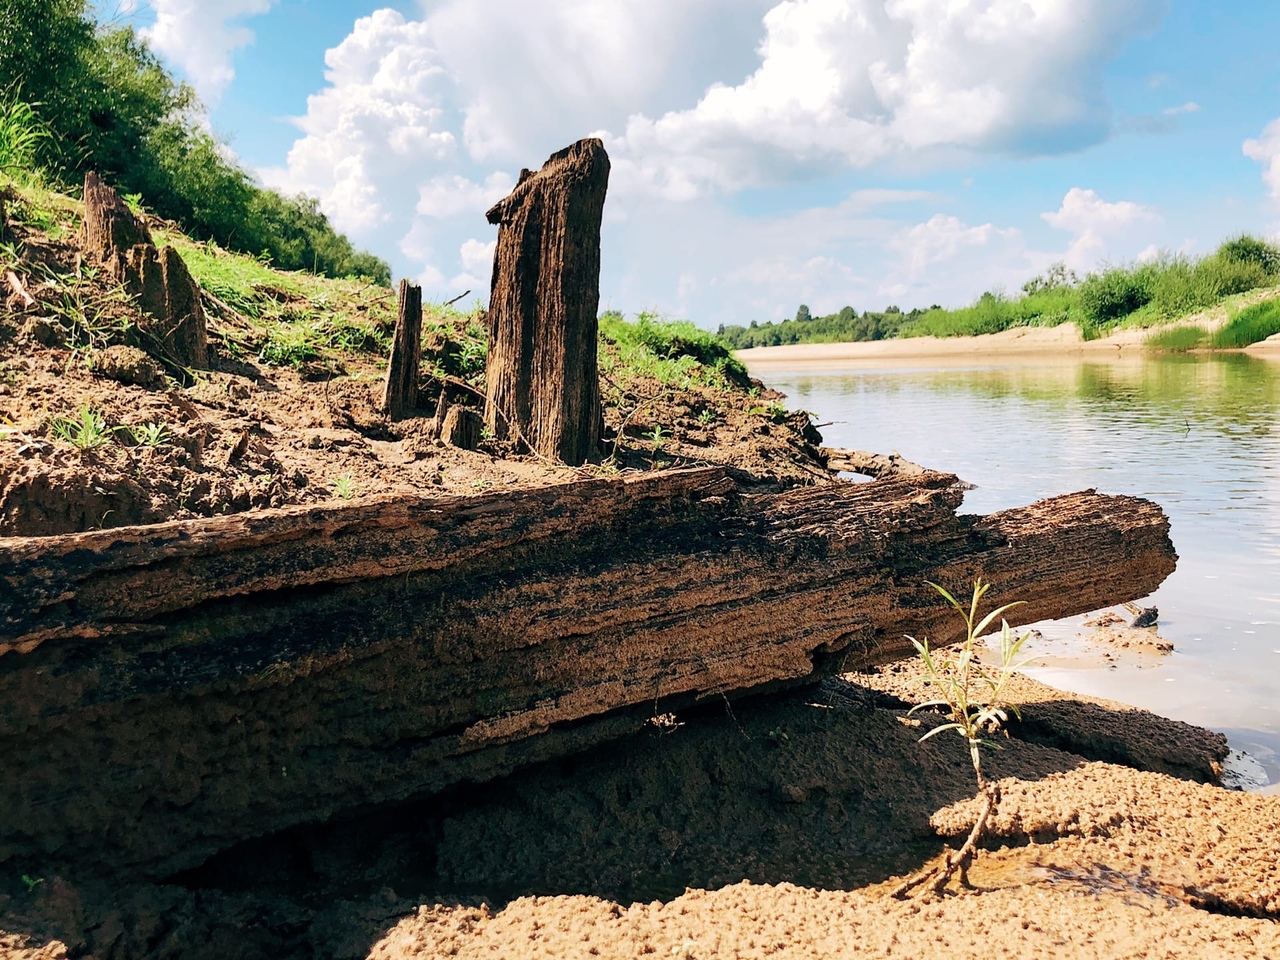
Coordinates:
[764,154]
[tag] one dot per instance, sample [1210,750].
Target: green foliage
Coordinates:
[149,434]
[1250,325]
[973,698]
[673,351]
[343,487]
[31,882]
[87,433]
[1179,339]
[1168,287]
[1114,293]
[971,694]
[113,107]
[22,133]
[1247,249]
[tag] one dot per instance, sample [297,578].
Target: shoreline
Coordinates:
[1017,345]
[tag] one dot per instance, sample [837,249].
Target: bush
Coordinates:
[677,346]
[1115,293]
[1249,249]
[111,106]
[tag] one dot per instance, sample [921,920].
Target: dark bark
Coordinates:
[170,690]
[542,378]
[400,395]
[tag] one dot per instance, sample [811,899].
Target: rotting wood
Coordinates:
[171,690]
[875,465]
[542,381]
[400,394]
[158,278]
[109,225]
[462,428]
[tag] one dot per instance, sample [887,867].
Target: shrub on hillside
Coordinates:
[1249,249]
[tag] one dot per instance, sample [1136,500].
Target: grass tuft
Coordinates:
[1250,325]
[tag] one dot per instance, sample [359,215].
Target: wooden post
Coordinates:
[159,279]
[400,397]
[542,382]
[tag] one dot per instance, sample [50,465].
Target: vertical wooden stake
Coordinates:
[400,396]
[542,382]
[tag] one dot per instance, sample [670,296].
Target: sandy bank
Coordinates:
[1018,345]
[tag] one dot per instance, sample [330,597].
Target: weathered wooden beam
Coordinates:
[400,394]
[171,690]
[542,382]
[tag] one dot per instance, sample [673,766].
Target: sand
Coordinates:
[774,827]
[1019,345]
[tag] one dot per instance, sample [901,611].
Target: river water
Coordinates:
[1198,435]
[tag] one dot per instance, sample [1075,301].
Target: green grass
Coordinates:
[1250,325]
[1180,339]
[674,352]
[298,317]
[22,132]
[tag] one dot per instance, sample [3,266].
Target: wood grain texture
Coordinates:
[400,392]
[542,382]
[171,690]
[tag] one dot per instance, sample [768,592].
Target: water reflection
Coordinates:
[1200,435]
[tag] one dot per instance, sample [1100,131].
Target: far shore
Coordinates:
[1020,344]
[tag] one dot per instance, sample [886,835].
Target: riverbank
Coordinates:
[775,828]
[1040,343]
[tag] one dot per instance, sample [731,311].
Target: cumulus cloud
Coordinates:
[416,134]
[199,38]
[1266,151]
[455,195]
[940,238]
[850,82]
[1095,223]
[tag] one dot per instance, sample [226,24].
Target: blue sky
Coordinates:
[766,152]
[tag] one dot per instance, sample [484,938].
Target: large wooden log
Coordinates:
[542,382]
[170,690]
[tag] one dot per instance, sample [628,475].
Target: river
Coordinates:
[1200,435]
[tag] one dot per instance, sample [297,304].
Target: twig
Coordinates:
[450,303]
[15,284]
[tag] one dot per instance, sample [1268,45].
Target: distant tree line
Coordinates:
[108,104]
[840,327]
[1162,288]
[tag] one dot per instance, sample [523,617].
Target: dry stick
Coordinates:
[450,303]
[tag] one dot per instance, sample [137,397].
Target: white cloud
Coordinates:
[199,38]
[455,195]
[416,134]
[1189,107]
[849,82]
[1266,151]
[1097,225]
[940,238]
[375,128]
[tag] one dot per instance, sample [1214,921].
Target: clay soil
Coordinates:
[769,827]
